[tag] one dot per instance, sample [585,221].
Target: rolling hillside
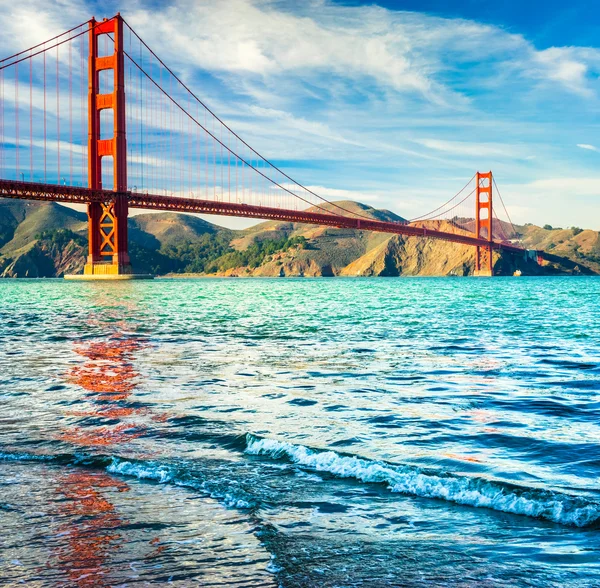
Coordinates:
[47,240]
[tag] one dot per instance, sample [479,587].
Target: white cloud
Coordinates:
[569,66]
[258,38]
[407,52]
[568,186]
[545,201]
[338,194]
[479,150]
[318,129]
[382,101]
[588,147]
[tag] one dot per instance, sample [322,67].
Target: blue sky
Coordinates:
[396,104]
[546,23]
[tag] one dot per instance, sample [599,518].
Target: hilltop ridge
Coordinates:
[46,239]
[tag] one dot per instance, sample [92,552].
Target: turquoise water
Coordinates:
[301,432]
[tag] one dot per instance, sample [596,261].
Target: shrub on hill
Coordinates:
[194,257]
[61,237]
[254,255]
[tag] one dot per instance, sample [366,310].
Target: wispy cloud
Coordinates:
[588,147]
[475,149]
[547,200]
[570,67]
[385,103]
[336,194]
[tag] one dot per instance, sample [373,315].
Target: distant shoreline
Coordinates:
[216,277]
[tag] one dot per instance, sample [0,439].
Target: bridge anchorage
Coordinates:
[144,140]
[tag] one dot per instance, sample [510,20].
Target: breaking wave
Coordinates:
[411,480]
[553,506]
[164,474]
[175,474]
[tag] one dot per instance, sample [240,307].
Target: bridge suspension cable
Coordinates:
[135,134]
[515,232]
[58,44]
[439,208]
[224,125]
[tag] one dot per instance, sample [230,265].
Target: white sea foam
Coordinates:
[166,475]
[553,506]
[140,470]
[24,457]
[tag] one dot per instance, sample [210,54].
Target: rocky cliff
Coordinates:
[47,240]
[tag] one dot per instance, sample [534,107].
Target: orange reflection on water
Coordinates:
[94,525]
[103,436]
[110,377]
[116,349]
[102,381]
[95,535]
[462,457]
[109,412]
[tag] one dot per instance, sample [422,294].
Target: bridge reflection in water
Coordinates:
[93,525]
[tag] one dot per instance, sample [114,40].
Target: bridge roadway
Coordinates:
[81,195]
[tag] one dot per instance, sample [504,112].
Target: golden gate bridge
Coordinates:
[93,116]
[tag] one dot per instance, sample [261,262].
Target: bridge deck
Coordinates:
[81,195]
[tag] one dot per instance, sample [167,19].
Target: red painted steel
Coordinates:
[108,209]
[107,219]
[483,205]
[71,194]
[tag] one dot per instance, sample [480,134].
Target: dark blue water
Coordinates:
[290,432]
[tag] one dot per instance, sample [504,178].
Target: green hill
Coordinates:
[582,247]
[168,228]
[46,239]
[20,221]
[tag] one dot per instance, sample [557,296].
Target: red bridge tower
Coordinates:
[107,221]
[483,224]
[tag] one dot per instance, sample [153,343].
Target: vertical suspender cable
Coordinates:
[141,104]
[162,130]
[221,165]
[150,119]
[17,118]
[83,132]
[70,116]
[190,155]
[205,157]
[181,154]
[163,115]
[172,174]
[1,123]
[214,161]
[30,119]
[45,126]
[58,114]
[199,149]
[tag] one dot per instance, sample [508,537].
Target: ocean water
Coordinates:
[300,432]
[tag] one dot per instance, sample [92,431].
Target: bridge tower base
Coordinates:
[107,238]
